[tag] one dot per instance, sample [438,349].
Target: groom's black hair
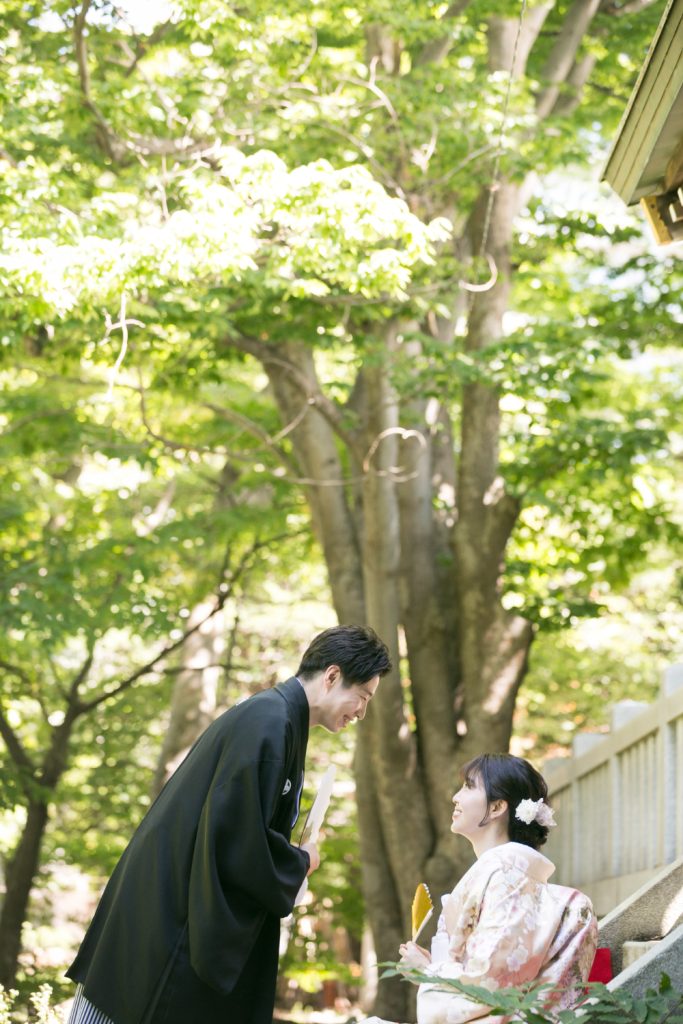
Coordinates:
[357,650]
[510,778]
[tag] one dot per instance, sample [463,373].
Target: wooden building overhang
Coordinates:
[646,161]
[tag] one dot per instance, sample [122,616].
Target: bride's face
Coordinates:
[469,807]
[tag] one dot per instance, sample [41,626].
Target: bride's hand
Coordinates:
[413,955]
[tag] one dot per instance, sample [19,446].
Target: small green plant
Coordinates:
[7,997]
[40,1010]
[528,1004]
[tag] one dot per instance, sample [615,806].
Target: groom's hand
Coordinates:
[312,851]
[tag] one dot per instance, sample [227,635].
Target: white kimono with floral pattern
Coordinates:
[504,925]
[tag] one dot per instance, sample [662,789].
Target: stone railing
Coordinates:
[619,799]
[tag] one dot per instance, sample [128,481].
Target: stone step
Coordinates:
[656,909]
[632,951]
[663,957]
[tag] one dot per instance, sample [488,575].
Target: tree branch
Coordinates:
[4,155]
[225,590]
[14,746]
[563,54]
[45,414]
[81,49]
[116,147]
[436,50]
[314,396]
[372,86]
[306,63]
[72,697]
[228,414]
[378,168]
[20,673]
[142,45]
[32,687]
[107,137]
[511,40]
[630,7]
[430,183]
[270,442]
[164,100]
[80,677]
[569,99]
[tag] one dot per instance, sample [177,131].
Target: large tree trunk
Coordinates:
[400,562]
[292,374]
[22,866]
[410,581]
[493,643]
[429,616]
[396,831]
[20,872]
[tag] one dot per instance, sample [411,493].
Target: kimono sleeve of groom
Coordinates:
[193,903]
[243,865]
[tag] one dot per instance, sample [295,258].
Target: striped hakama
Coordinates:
[83,1011]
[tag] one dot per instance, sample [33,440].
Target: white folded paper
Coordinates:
[315,819]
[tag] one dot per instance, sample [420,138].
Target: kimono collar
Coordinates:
[294,695]
[530,861]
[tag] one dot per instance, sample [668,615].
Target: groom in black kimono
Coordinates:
[187,929]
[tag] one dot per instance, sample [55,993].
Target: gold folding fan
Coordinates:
[421,909]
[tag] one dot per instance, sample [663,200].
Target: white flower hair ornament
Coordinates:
[535,810]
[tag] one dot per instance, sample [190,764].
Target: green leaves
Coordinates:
[184,201]
[305,233]
[529,1004]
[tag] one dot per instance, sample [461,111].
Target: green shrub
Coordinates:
[40,1010]
[601,1006]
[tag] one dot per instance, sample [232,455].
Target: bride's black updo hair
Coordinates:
[510,778]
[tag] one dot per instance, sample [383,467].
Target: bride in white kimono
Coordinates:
[504,925]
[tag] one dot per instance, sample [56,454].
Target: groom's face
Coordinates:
[344,704]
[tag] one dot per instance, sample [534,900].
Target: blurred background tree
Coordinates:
[327,286]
